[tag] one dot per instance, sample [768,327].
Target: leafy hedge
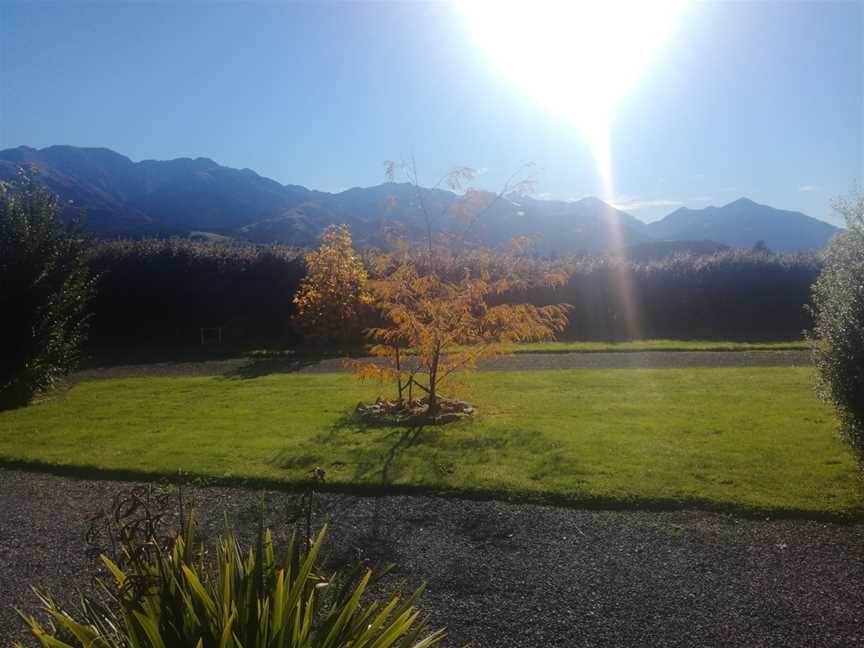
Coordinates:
[162,292]
[731,295]
[157,292]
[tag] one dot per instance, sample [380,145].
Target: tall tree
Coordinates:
[45,288]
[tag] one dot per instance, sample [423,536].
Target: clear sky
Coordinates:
[757,99]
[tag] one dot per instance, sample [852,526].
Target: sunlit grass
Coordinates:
[740,438]
[107,357]
[657,345]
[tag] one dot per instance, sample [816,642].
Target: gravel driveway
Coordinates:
[512,575]
[246,367]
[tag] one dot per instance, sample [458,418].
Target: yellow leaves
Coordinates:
[449,310]
[448,303]
[365,370]
[467,209]
[333,296]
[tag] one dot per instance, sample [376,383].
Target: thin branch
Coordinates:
[417,191]
[505,189]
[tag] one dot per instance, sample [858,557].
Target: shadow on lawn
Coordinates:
[268,366]
[402,440]
[377,461]
[573,501]
[106,357]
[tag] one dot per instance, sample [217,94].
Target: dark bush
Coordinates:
[731,295]
[45,287]
[162,292]
[838,336]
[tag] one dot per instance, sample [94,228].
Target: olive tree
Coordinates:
[838,334]
[45,287]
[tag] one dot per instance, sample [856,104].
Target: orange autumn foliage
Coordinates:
[444,306]
[333,298]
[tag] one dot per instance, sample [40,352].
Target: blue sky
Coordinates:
[758,99]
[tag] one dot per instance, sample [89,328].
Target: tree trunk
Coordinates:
[398,374]
[433,398]
[433,383]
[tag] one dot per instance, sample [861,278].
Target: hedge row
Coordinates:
[157,292]
[162,292]
[730,295]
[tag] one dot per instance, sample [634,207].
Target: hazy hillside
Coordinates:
[742,223]
[100,180]
[185,195]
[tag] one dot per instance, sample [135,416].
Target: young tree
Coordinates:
[838,336]
[444,304]
[333,296]
[45,288]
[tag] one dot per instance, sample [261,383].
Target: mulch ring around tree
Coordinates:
[413,412]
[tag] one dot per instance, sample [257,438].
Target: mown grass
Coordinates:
[113,357]
[744,439]
[657,345]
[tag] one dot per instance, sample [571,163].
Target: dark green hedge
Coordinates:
[162,292]
[158,292]
[732,295]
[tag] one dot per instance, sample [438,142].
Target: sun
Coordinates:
[577,58]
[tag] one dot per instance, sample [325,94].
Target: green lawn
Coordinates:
[736,438]
[658,345]
[114,357]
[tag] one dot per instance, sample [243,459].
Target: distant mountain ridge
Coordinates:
[743,222]
[185,195]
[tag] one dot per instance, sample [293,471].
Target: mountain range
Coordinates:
[198,197]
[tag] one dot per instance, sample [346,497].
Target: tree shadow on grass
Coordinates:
[377,462]
[402,440]
[377,465]
[259,368]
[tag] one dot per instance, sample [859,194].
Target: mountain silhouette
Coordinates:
[197,196]
[742,223]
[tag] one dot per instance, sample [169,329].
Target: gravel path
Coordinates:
[508,575]
[245,367]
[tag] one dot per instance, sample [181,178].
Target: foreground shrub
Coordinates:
[45,287]
[168,597]
[838,336]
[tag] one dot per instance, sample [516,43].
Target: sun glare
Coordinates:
[576,58]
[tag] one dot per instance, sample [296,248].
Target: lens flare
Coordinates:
[577,58]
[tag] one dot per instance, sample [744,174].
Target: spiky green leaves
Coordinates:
[235,602]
